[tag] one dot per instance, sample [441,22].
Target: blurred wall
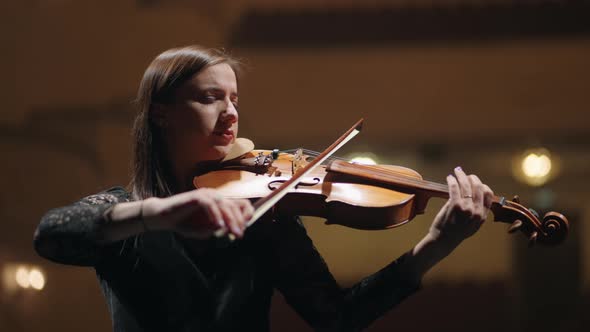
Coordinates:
[431,101]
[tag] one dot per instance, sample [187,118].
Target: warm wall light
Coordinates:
[534,166]
[366,158]
[22,276]
[363,160]
[36,279]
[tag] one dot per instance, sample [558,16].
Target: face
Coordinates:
[203,121]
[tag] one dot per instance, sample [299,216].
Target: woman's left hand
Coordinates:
[465,211]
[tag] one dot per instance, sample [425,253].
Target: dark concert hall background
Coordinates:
[499,87]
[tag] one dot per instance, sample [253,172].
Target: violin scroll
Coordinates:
[552,230]
[556,226]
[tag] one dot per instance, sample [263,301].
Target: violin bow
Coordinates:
[266,203]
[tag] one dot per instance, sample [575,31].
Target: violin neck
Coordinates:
[410,183]
[389,178]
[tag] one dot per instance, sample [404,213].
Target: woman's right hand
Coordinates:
[199,213]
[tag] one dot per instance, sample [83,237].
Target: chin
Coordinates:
[218,152]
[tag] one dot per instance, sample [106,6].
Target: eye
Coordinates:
[207,98]
[234,100]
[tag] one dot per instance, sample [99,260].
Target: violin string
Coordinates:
[396,176]
[314,154]
[412,181]
[405,179]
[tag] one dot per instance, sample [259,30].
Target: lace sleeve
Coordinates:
[308,286]
[68,234]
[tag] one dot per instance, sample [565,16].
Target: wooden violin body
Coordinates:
[322,194]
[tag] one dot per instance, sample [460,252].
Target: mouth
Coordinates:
[226,135]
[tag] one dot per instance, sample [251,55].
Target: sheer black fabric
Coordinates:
[159,281]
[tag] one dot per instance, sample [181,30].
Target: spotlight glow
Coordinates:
[363,160]
[22,277]
[535,166]
[36,279]
[19,275]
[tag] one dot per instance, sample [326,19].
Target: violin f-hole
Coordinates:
[272,185]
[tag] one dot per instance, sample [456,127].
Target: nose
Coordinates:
[230,113]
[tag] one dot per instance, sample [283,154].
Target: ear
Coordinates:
[159,115]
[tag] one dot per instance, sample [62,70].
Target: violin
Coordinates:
[367,197]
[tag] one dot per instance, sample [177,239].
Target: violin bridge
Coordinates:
[298,161]
[273,171]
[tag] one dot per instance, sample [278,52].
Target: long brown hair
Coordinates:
[151,176]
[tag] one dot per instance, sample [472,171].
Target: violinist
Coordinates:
[160,267]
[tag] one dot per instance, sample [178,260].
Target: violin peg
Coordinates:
[533,239]
[516,199]
[516,225]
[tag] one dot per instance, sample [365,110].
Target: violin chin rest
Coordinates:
[239,147]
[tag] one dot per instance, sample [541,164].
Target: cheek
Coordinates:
[195,121]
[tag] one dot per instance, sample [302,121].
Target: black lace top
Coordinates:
[159,281]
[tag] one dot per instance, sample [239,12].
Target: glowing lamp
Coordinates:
[534,167]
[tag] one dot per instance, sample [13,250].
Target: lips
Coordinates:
[225,134]
[226,131]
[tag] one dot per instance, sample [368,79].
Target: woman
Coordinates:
[159,266]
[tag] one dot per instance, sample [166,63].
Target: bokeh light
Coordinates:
[17,276]
[22,277]
[534,166]
[36,279]
[365,158]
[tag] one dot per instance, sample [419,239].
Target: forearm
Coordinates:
[68,235]
[74,234]
[121,221]
[427,253]
[459,218]
[305,281]
[380,292]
